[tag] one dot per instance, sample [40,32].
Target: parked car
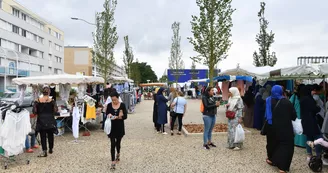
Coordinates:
[14,97]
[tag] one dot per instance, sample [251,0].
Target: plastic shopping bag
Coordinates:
[239,134]
[108,126]
[297,126]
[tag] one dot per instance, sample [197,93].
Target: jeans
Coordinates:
[27,141]
[318,148]
[174,117]
[209,122]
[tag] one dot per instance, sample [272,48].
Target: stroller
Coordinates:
[316,162]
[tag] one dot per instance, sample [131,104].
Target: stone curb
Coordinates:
[186,133]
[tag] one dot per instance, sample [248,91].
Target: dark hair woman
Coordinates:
[117,112]
[162,110]
[45,108]
[279,114]
[209,116]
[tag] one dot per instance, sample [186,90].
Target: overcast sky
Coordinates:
[300,27]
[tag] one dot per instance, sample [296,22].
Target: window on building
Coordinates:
[41,40]
[41,68]
[16,12]
[41,54]
[35,37]
[58,59]
[49,31]
[23,16]
[58,48]
[23,33]
[0,4]
[49,69]
[49,56]
[15,29]
[57,71]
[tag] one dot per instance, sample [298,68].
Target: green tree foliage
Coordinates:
[265,40]
[212,32]
[135,72]
[163,79]
[175,60]
[146,72]
[127,56]
[105,39]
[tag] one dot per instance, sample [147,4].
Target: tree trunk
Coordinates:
[210,74]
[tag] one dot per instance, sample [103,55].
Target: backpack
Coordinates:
[315,164]
[201,107]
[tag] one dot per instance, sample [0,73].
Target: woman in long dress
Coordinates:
[162,110]
[279,114]
[259,110]
[249,108]
[299,140]
[236,105]
[155,110]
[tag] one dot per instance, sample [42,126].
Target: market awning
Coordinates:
[233,78]
[198,80]
[152,84]
[57,79]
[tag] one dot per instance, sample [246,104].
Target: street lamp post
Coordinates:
[148,81]
[94,66]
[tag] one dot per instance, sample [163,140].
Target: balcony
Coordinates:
[13,72]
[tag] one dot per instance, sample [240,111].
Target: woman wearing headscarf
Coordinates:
[209,116]
[155,110]
[279,114]
[162,110]
[309,110]
[259,110]
[236,105]
[249,108]
[299,140]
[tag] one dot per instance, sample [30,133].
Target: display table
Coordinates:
[61,123]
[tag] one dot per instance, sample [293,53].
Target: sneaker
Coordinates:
[171,132]
[164,133]
[179,133]
[158,132]
[29,151]
[35,147]
[236,148]
[308,158]
[212,145]
[206,147]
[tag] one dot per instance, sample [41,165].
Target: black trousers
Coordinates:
[115,143]
[174,117]
[44,134]
[160,127]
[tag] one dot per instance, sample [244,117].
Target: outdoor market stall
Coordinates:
[65,81]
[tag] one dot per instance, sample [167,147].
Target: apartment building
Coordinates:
[29,45]
[78,60]
[312,60]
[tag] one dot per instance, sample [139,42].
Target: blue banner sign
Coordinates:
[184,75]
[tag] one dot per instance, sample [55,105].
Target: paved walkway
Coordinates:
[145,151]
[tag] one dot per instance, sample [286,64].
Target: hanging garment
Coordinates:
[53,92]
[14,130]
[225,90]
[75,123]
[91,112]
[240,84]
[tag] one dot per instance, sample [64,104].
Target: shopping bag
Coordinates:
[239,134]
[297,126]
[108,126]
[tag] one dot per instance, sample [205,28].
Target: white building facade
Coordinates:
[29,45]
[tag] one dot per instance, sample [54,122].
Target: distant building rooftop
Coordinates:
[76,47]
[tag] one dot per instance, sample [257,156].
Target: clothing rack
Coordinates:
[4,107]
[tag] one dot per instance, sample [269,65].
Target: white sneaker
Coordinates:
[324,161]
[164,133]
[308,158]
[236,149]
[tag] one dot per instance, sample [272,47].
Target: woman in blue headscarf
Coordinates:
[279,114]
[162,110]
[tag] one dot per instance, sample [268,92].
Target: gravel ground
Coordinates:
[143,150]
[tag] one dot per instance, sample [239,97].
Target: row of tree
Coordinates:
[211,37]
[105,39]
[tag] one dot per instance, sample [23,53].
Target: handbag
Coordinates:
[265,126]
[230,114]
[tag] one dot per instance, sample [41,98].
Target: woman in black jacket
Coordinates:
[209,116]
[117,112]
[310,124]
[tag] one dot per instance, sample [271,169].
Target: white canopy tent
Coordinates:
[248,71]
[198,80]
[57,79]
[308,71]
[120,79]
